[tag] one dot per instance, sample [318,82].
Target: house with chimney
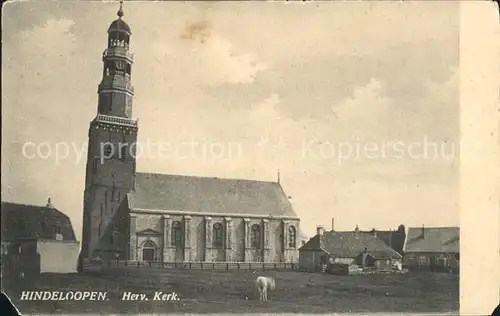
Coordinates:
[432,248]
[35,239]
[392,238]
[347,247]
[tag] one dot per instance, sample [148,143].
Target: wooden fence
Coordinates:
[214,266]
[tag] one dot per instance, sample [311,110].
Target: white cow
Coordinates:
[263,284]
[397,265]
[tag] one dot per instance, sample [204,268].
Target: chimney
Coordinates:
[374,232]
[320,230]
[49,204]
[423,231]
[356,229]
[333,224]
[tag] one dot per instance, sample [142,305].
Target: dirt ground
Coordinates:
[233,292]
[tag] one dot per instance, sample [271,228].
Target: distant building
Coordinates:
[37,239]
[392,238]
[432,248]
[349,247]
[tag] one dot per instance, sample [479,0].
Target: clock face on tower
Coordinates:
[120,65]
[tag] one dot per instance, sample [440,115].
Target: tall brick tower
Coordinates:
[110,171]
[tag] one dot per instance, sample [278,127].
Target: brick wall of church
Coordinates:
[115,235]
[198,239]
[107,182]
[198,229]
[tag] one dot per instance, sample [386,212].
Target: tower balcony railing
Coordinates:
[116,120]
[118,51]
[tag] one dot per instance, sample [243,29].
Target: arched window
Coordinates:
[176,234]
[123,151]
[256,236]
[217,235]
[148,251]
[115,240]
[292,237]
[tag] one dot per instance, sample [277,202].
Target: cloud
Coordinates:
[45,66]
[49,40]
[436,113]
[373,26]
[266,108]
[365,101]
[443,94]
[224,66]
[198,31]
[34,48]
[217,57]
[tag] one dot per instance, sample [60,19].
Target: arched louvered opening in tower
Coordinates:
[118,38]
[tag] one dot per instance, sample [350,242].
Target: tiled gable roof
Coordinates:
[209,195]
[31,221]
[384,235]
[313,243]
[434,239]
[394,239]
[350,245]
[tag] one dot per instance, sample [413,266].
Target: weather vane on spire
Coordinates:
[120,11]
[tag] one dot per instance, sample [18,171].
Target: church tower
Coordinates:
[111,163]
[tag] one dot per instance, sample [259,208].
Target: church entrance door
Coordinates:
[148,251]
[148,254]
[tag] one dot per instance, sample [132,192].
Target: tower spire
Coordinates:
[278,176]
[120,11]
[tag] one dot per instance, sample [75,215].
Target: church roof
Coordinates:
[209,195]
[32,221]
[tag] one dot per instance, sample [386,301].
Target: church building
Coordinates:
[130,215]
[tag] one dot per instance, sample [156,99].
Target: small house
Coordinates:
[347,247]
[35,239]
[392,238]
[432,248]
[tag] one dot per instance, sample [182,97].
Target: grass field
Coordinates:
[231,292]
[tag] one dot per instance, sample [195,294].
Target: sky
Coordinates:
[355,103]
